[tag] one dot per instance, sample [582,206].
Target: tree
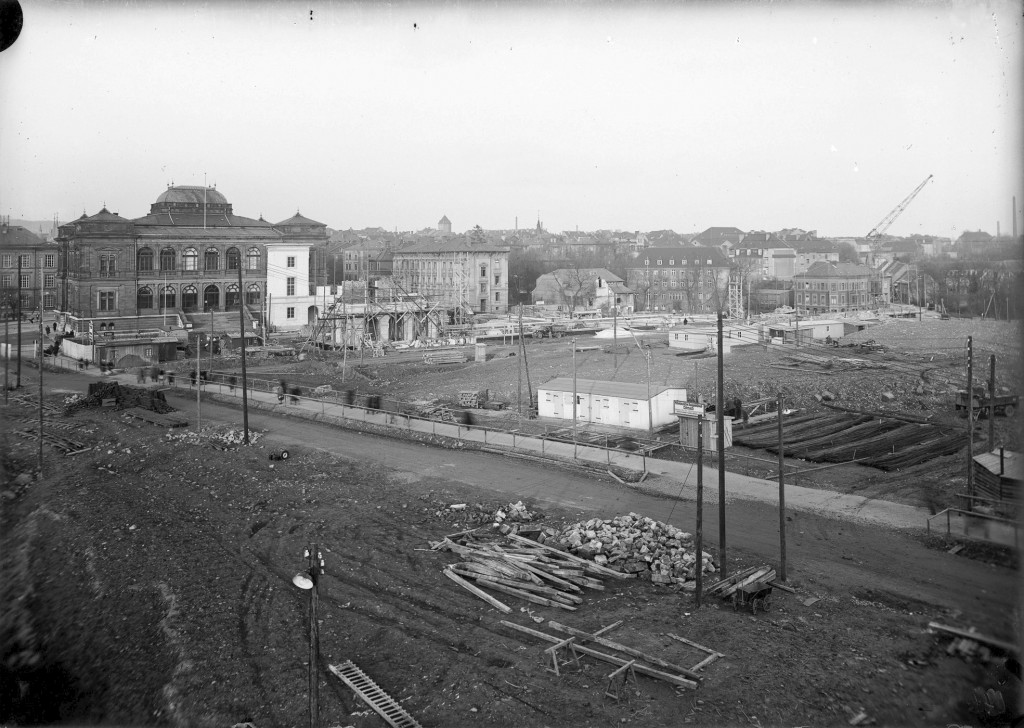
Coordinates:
[575,286]
[847,253]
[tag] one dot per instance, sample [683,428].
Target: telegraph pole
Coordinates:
[574,397]
[782,501]
[41,356]
[970,420]
[241,320]
[992,403]
[17,376]
[199,384]
[700,509]
[720,418]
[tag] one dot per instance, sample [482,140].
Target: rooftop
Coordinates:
[626,390]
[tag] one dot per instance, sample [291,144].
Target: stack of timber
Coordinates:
[444,357]
[522,568]
[835,362]
[753,575]
[638,545]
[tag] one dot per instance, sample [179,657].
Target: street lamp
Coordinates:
[307,580]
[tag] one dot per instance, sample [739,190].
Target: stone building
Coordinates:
[28,272]
[456,273]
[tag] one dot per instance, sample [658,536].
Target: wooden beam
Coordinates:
[624,649]
[530,587]
[783,587]
[525,595]
[572,557]
[694,644]
[479,592]
[642,669]
[977,637]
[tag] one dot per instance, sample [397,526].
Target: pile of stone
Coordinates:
[635,544]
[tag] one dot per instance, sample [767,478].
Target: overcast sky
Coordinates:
[627,116]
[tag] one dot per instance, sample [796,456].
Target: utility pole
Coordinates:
[316,564]
[782,500]
[41,358]
[699,568]
[650,407]
[17,376]
[241,323]
[199,383]
[7,353]
[992,403]
[970,420]
[720,417]
[519,370]
[574,397]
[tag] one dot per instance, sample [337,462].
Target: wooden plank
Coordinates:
[545,576]
[730,580]
[531,587]
[705,662]
[642,669]
[977,637]
[590,565]
[766,574]
[479,592]
[783,587]
[586,581]
[633,652]
[694,644]
[524,595]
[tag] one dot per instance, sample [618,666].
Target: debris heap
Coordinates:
[638,545]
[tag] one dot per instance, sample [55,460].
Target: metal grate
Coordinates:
[374,696]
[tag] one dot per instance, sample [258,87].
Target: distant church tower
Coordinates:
[445,225]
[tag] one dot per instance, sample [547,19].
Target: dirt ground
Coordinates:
[148,581]
[920,363]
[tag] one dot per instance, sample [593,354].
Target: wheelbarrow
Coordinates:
[758,594]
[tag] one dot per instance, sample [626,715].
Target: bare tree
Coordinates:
[574,285]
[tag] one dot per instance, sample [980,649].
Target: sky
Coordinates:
[625,116]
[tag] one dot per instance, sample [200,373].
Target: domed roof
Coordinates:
[192,194]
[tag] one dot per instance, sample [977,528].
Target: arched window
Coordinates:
[144,261]
[191,259]
[169,299]
[232,299]
[167,259]
[253,259]
[253,294]
[189,298]
[211,298]
[234,258]
[144,299]
[211,259]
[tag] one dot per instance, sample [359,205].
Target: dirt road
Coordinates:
[839,554]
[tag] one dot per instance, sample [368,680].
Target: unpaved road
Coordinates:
[838,553]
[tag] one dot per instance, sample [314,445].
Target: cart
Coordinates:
[758,594]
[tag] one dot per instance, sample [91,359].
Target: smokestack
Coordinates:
[1015,217]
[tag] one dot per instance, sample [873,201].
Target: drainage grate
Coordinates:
[374,696]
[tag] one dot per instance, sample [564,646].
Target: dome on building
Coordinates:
[192,194]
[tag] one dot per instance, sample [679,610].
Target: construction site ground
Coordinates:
[148,581]
[920,363]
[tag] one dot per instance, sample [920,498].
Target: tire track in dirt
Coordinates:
[252,599]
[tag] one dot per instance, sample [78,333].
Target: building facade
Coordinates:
[28,272]
[593,288]
[687,280]
[456,273]
[182,260]
[835,287]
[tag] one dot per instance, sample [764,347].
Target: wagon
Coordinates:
[757,594]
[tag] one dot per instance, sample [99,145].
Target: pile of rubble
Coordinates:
[482,514]
[635,544]
[120,396]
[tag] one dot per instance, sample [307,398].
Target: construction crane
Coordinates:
[878,230]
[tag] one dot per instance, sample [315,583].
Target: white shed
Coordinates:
[696,339]
[621,404]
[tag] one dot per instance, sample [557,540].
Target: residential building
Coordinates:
[724,238]
[764,255]
[28,272]
[828,287]
[456,272]
[685,279]
[576,288]
[813,250]
[292,300]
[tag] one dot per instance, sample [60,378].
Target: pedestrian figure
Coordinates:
[47,330]
[282,389]
[685,321]
[191,379]
[81,363]
[141,376]
[232,380]
[162,374]
[170,377]
[154,372]
[294,392]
